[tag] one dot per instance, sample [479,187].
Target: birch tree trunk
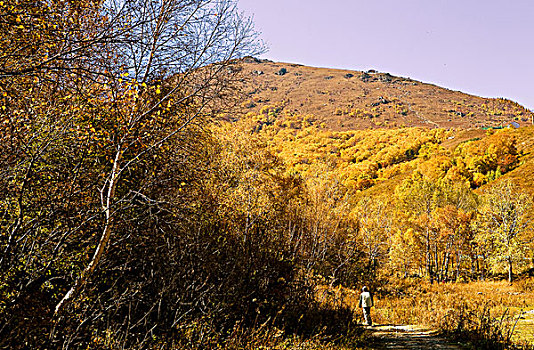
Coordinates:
[104,237]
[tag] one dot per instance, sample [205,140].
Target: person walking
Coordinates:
[366,302]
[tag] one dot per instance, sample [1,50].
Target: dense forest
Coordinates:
[425,203]
[134,213]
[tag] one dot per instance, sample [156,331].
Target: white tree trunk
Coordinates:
[104,238]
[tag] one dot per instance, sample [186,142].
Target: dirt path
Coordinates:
[409,338]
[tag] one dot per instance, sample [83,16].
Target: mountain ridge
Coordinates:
[349,99]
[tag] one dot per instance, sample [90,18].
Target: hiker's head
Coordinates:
[364,289]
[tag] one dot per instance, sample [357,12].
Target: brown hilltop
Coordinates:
[345,99]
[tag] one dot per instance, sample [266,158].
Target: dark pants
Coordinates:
[367,315]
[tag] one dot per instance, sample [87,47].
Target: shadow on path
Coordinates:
[409,337]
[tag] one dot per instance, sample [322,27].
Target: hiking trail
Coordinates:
[409,338]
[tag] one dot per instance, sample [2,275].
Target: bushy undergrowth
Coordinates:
[211,255]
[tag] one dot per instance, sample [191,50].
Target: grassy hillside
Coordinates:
[347,100]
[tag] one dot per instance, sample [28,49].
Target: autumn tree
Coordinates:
[96,98]
[505,227]
[328,236]
[192,42]
[418,197]
[375,226]
[455,239]
[405,251]
[437,208]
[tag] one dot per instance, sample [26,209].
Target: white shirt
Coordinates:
[366,299]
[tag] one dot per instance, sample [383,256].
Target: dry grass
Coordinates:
[345,100]
[427,304]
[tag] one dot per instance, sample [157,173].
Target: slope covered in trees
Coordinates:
[422,198]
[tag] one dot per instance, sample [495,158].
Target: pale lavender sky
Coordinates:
[482,47]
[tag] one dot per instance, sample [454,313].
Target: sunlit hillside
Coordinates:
[370,130]
[346,100]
